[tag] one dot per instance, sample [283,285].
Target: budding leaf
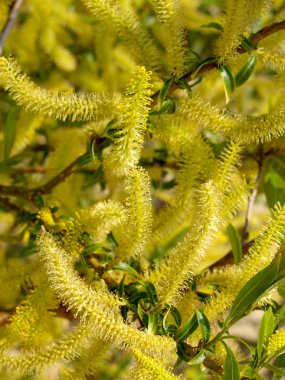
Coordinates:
[246,71]
[190,326]
[228,80]
[163,92]
[204,325]
[252,291]
[266,329]
[176,315]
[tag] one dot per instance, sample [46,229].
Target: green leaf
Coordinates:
[182,351]
[176,315]
[274,188]
[163,92]
[152,322]
[121,287]
[266,328]
[252,291]
[10,129]
[185,85]
[204,325]
[198,358]
[190,326]
[228,80]
[245,72]
[40,201]
[214,25]
[126,268]
[277,371]
[151,292]
[280,364]
[235,243]
[170,329]
[137,296]
[206,61]
[231,365]
[247,45]
[280,316]
[143,316]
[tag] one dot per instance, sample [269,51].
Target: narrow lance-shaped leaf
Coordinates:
[176,315]
[205,62]
[190,326]
[252,291]
[143,316]
[235,243]
[163,92]
[152,322]
[266,328]
[231,365]
[151,292]
[126,268]
[280,363]
[228,80]
[245,72]
[198,358]
[204,325]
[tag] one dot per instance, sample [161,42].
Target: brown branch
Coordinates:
[10,23]
[255,38]
[30,194]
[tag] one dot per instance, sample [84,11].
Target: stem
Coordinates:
[10,23]
[255,38]
[44,189]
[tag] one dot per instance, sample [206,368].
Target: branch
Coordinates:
[29,194]
[10,22]
[255,38]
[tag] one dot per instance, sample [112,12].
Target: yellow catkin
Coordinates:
[98,307]
[239,17]
[215,208]
[124,23]
[169,276]
[168,14]
[132,115]
[138,223]
[99,219]
[62,106]
[195,160]
[271,59]
[276,342]
[152,368]
[90,362]
[67,348]
[242,128]
[260,254]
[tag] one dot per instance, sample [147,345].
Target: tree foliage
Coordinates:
[142,195]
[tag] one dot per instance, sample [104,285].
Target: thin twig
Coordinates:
[25,193]
[251,199]
[255,38]
[10,22]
